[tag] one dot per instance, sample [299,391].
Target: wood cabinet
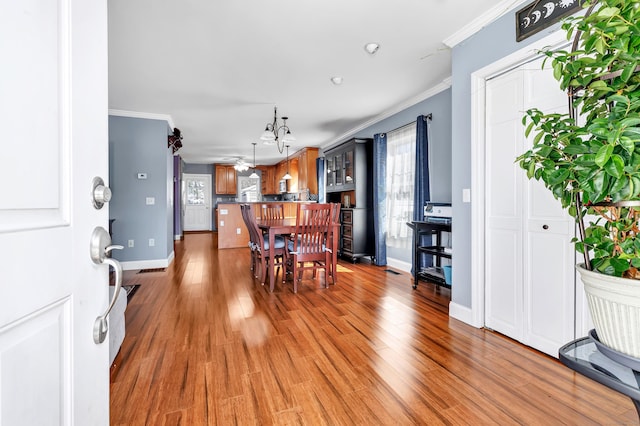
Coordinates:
[225,179]
[306,167]
[350,183]
[267,182]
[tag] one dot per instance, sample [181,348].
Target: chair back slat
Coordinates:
[272,211]
[312,227]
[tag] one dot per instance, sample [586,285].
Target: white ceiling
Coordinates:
[218,67]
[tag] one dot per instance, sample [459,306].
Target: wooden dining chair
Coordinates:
[266,257]
[308,249]
[333,241]
[272,211]
[253,242]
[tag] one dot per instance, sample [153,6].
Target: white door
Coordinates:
[530,289]
[197,199]
[53,101]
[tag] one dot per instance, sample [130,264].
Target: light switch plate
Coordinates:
[151,201]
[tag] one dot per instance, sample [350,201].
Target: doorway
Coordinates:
[197,202]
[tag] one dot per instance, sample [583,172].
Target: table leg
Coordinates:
[271,260]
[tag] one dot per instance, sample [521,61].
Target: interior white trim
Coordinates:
[147,115]
[148,264]
[478,81]
[462,313]
[399,264]
[446,83]
[482,21]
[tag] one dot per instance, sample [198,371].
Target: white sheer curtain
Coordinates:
[401,153]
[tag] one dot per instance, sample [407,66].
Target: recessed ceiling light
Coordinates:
[371,48]
[336,80]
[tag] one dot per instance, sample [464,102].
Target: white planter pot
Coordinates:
[614,304]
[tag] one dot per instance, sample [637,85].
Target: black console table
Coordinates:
[583,356]
[436,229]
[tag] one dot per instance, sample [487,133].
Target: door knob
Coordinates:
[545,227]
[99,249]
[101,193]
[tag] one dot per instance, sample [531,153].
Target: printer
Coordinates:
[437,212]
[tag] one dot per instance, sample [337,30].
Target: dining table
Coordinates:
[287,226]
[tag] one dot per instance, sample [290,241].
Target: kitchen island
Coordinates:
[232,232]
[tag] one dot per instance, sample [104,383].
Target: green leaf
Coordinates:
[608,12]
[603,155]
[615,167]
[628,71]
[557,176]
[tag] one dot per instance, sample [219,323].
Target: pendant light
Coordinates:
[254,175]
[287,176]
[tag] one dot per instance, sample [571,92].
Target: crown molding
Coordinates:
[482,21]
[147,115]
[446,83]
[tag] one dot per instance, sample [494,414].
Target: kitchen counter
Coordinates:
[232,232]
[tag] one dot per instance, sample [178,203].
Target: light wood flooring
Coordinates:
[206,344]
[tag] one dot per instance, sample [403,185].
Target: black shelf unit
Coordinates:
[432,274]
[350,177]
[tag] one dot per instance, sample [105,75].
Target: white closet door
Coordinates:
[504,234]
[549,288]
[529,267]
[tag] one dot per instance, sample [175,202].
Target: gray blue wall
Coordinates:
[138,145]
[490,44]
[440,146]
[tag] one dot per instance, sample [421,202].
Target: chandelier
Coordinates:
[277,134]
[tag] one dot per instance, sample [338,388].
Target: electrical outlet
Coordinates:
[152,242]
[238,231]
[130,243]
[222,223]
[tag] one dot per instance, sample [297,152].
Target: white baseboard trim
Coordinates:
[148,264]
[462,313]
[177,237]
[399,264]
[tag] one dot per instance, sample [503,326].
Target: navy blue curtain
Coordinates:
[380,197]
[421,185]
[322,178]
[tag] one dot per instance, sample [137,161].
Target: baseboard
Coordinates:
[462,313]
[148,264]
[399,264]
[178,237]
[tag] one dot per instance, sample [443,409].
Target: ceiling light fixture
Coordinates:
[371,48]
[254,175]
[287,176]
[273,131]
[241,166]
[336,80]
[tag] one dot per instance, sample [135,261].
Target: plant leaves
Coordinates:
[603,155]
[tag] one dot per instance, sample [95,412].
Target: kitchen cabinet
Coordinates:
[225,179]
[267,182]
[306,167]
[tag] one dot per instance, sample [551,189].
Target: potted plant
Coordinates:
[590,160]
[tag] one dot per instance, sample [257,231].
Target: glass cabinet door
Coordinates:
[348,167]
[331,172]
[339,166]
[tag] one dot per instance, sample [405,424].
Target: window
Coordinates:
[401,164]
[248,189]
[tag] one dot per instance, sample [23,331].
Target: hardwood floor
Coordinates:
[206,344]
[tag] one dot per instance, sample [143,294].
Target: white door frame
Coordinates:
[207,178]
[478,172]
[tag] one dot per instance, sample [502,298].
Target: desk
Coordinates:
[287,226]
[428,228]
[583,356]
